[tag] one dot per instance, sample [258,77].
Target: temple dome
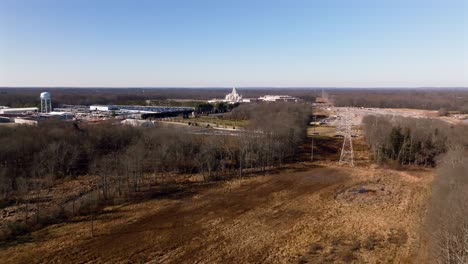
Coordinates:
[233,97]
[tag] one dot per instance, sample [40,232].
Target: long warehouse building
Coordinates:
[139,108]
[19,110]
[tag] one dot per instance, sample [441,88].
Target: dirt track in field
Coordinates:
[315,216]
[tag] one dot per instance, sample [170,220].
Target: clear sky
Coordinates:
[200,43]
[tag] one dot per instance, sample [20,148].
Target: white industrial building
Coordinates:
[25,121]
[23,110]
[103,108]
[278,98]
[139,109]
[62,115]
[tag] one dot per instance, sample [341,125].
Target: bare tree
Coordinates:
[447,220]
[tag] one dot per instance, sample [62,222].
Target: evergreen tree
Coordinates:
[396,140]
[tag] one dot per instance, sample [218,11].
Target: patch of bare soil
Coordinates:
[366,192]
[318,215]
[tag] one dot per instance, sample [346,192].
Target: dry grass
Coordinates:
[324,131]
[278,218]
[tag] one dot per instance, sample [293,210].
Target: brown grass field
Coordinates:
[304,213]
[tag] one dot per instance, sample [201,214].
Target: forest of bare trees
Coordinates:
[447,220]
[124,158]
[410,141]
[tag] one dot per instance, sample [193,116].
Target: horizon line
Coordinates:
[230,87]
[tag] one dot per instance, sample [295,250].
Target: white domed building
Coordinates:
[230,98]
[233,97]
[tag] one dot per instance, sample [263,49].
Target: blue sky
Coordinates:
[200,43]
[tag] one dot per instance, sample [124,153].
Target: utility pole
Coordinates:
[312,144]
[347,153]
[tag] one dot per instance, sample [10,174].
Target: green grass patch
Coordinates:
[213,120]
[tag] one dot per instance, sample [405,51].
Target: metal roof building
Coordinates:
[18,110]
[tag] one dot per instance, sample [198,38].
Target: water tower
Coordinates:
[46,103]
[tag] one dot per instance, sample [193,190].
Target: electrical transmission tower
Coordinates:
[347,153]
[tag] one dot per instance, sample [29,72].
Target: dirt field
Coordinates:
[356,114]
[303,215]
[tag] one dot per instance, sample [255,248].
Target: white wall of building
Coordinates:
[18,110]
[101,108]
[25,121]
[278,98]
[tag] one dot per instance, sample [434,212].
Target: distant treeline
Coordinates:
[411,141]
[431,99]
[435,99]
[22,97]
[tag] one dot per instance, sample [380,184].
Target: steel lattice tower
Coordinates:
[347,153]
